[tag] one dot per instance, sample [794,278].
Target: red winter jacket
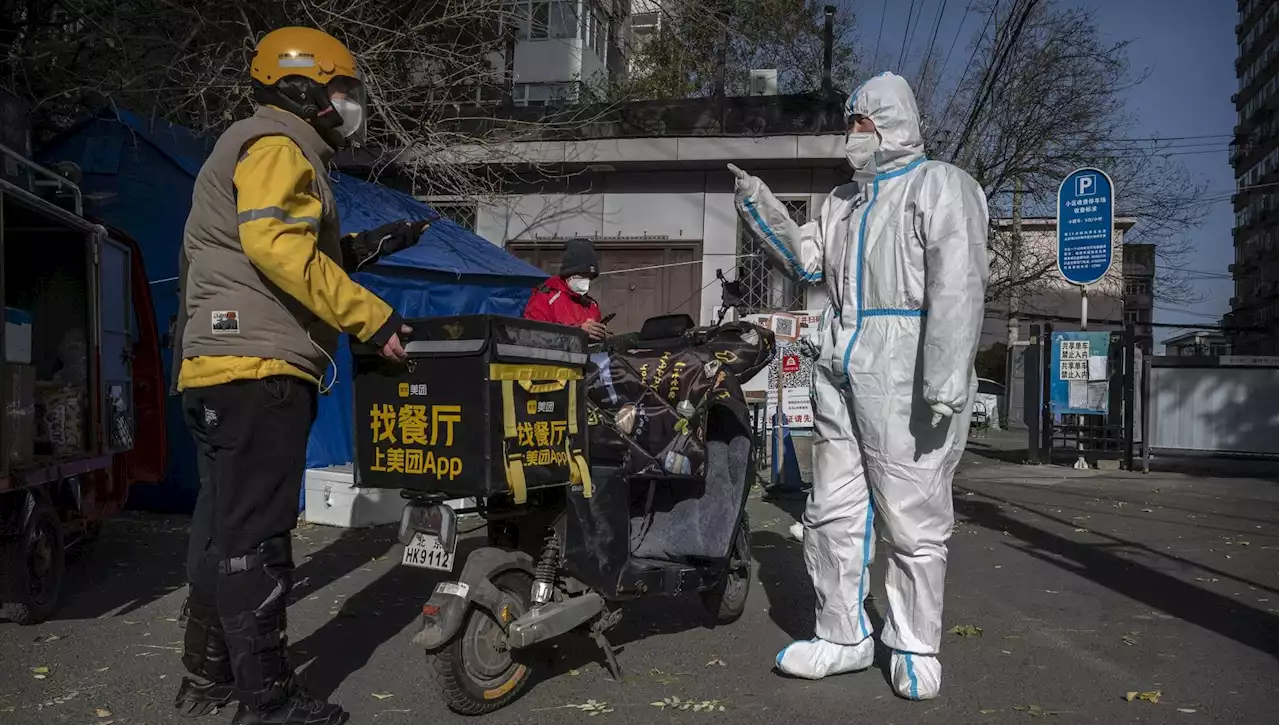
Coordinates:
[553,301]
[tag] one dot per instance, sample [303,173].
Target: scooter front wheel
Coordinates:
[476,670]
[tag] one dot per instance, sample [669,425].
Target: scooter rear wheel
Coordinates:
[476,671]
[727,600]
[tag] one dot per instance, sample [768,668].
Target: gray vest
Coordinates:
[228,306]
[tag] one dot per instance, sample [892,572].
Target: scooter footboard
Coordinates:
[446,610]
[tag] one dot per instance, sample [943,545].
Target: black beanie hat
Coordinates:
[579,259]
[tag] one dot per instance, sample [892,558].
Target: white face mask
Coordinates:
[579,285]
[860,150]
[352,115]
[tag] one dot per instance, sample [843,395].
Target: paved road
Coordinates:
[1085,585]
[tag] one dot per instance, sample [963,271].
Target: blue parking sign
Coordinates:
[1086,226]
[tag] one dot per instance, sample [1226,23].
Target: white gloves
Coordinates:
[744,184]
[940,411]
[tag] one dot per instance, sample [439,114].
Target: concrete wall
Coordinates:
[674,205]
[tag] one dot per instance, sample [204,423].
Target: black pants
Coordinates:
[251,437]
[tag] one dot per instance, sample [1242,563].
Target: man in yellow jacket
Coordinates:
[265,294]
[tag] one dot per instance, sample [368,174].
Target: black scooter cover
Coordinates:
[649,400]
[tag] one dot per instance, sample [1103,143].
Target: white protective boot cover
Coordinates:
[817,658]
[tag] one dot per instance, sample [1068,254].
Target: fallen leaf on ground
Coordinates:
[1187,710]
[1130,639]
[102,712]
[716,662]
[382,695]
[663,678]
[675,703]
[46,639]
[1152,697]
[1034,710]
[103,669]
[592,707]
[40,672]
[574,673]
[967,630]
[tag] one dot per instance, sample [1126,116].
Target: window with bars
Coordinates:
[764,285]
[462,214]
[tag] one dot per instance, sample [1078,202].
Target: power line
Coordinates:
[1187,312]
[999,65]
[1131,146]
[884,9]
[965,73]
[996,314]
[1177,138]
[902,52]
[1193,271]
[959,27]
[937,22]
[912,42]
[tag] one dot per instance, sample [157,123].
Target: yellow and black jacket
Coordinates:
[260,277]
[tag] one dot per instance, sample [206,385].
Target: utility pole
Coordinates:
[1015,269]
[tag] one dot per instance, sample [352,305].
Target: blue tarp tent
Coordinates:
[138,176]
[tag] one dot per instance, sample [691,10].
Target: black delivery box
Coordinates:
[485,405]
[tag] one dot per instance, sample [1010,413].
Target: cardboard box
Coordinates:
[19,414]
[17,336]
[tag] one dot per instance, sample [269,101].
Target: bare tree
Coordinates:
[704,45]
[1045,95]
[426,62]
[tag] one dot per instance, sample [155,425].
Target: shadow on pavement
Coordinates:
[790,591]
[361,623]
[1216,613]
[996,452]
[786,582]
[138,559]
[352,549]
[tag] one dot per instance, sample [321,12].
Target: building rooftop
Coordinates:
[790,115]
[1193,336]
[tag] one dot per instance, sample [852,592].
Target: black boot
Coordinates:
[293,707]
[205,656]
[262,661]
[253,596]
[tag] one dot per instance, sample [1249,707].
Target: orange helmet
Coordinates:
[311,74]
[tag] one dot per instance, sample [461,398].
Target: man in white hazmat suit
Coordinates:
[902,253]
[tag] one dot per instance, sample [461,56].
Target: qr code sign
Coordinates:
[801,378]
[785,327]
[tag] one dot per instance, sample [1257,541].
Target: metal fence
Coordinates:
[1219,405]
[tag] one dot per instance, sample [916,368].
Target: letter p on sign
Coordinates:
[1086,184]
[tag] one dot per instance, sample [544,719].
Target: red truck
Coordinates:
[81,385]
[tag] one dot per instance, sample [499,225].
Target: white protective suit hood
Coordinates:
[887,100]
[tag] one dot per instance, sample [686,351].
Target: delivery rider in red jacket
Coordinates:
[563,299]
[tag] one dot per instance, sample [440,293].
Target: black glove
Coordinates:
[364,248]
